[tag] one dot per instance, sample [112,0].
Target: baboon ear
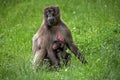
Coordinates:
[57,10]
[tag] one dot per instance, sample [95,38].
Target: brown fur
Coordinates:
[46,35]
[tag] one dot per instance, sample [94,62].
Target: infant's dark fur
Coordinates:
[59,49]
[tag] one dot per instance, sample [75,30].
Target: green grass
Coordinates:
[95,26]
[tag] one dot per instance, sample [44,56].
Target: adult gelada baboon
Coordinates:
[53,28]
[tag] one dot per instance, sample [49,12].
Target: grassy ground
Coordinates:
[95,26]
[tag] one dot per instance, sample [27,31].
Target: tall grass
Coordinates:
[95,26]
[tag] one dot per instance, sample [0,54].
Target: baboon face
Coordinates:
[51,15]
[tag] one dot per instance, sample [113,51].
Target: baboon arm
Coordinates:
[74,49]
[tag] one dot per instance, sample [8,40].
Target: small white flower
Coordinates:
[74,12]
[74,27]
[66,69]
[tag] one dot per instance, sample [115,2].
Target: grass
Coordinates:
[95,26]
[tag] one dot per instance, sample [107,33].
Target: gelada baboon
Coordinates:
[59,49]
[51,29]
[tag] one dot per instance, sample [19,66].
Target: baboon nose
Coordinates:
[51,20]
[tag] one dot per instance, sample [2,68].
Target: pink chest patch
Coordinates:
[60,37]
